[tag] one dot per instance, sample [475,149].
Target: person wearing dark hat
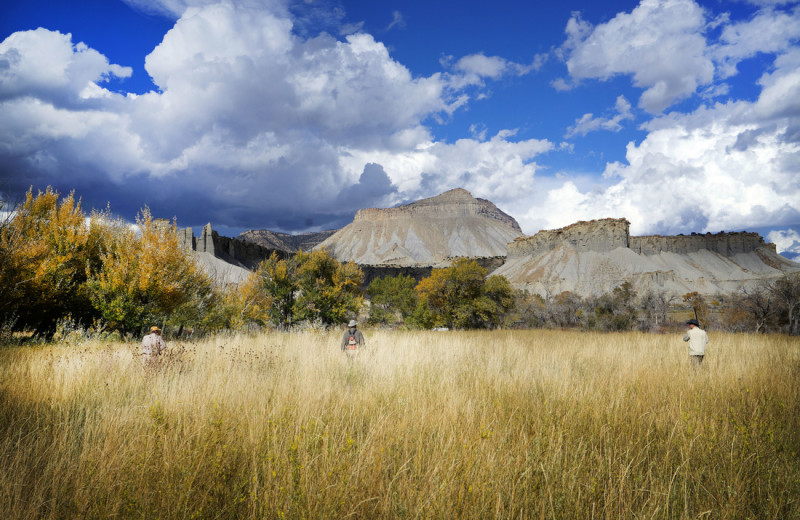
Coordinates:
[152,346]
[697,339]
[352,339]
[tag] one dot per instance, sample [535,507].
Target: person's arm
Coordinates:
[686,336]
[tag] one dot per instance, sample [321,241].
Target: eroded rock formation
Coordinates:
[274,240]
[594,257]
[232,250]
[426,232]
[599,236]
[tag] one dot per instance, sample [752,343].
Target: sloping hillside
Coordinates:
[590,258]
[425,232]
[284,241]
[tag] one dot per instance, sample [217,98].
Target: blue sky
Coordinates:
[681,116]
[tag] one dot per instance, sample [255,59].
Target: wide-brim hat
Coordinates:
[352,323]
[154,329]
[693,322]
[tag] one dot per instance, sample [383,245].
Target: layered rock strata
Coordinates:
[591,258]
[232,250]
[426,232]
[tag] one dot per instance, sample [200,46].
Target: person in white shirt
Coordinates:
[697,339]
[152,346]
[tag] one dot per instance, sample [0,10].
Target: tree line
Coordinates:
[59,264]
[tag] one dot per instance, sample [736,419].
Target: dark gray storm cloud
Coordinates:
[372,190]
[258,121]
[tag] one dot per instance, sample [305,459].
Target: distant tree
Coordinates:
[145,277]
[787,291]
[279,281]
[237,306]
[565,309]
[700,308]
[461,296]
[655,308]
[759,304]
[329,290]
[310,286]
[616,310]
[392,299]
[528,311]
[498,300]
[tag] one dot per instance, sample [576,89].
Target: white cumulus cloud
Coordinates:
[787,242]
[48,65]
[252,125]
[659,44]
[589,123]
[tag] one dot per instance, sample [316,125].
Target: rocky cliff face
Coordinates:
[727,244]
[596,235]
[595,257]
[274,240]
[232,250]
[609,234]
[450,204]
[426,232]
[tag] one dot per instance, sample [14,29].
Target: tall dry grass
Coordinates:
[529,424]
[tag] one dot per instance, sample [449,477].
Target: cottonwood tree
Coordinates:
[392,299]
[279,281]
[615,310]
[654,306]
[310,286]
[461,296]
[700,307]
[329,290]
[233,306]
[46,245]
[566,309]
[528,311]
[145,277]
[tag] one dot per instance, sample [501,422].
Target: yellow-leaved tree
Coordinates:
[145,276]
[237,306]
[461,296]
[310,286]
[329,290]
[46,248]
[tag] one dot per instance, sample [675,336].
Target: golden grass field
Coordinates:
[508,424]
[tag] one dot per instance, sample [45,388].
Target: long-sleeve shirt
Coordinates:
[698,339]
[357,336]
[153,345]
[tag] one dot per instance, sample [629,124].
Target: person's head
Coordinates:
[352,324]
[692,323]
[155,330]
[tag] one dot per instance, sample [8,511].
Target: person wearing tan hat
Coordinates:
[152,346]
[352,339]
